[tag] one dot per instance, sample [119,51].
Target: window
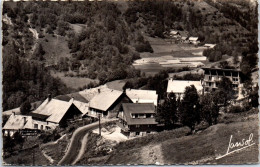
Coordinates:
[148,115]
[210,78]
[41,127]
[137,133]
[133,115]
[35,126]
[137,126]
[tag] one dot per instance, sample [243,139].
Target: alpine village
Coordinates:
[129,82]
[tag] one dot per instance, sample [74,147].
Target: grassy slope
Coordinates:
[199,148]
[73,82]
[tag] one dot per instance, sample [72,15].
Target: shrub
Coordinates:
[236,109]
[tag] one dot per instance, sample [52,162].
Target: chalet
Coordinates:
[174,34]
[194,40]
[178,87]
[209,46]
[56,111]
[107,103]
[142,96]
[184,39]
[25,125]
[213,75]
[137,119]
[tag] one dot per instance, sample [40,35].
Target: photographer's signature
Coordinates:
[237,146]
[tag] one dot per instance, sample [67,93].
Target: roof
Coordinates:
[54,108]
[193,38]
[75,96]
[103,100]
[138,108]
[173,32]
[17,122]
[184,38]
[220,69]
[142,96]
[9,112]
[178,86]
[210,45]
[88,94]
[83,107]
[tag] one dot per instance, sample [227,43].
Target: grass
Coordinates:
[54,47]
[73,82]
[57,151]
[200,148]
[26,158]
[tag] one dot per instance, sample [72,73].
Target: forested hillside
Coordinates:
[100,40]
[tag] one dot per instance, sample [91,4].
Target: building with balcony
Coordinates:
[137,119]
[178,87]
[213,75]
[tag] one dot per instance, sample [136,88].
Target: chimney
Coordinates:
[98,90]
[13,113]
[24,120]
[49,97]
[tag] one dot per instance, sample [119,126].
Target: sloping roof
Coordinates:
[83,107]
[103,100]
[88,94]
[173,32]
[193,38]
[210,45]
[54,108]
[17,122]
[75,96]
[138,108]
[184,38]
[142,96]
[178,86]
[9,112]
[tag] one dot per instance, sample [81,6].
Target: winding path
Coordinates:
[76,142]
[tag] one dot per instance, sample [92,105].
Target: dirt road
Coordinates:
[76,142]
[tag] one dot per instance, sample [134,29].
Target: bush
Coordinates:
[236,109]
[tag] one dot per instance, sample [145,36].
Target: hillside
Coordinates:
[82,44]
[202,147]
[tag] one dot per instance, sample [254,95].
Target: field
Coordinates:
[73,82]
[202,147]
[167,53]
[55,47]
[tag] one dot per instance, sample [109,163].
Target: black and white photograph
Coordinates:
[129,82]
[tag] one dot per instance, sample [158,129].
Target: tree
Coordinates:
[189,109]
[225,90]
[166,112]
[25,107]
[38,52]
[209,109]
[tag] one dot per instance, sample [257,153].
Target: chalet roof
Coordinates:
[75,96]
[83,107]
[184,38]
[193,38]
[220,69]
[103,100]
[210,45]
[138,108]
[142,96]
[174,32]
[9,112]
[54,108]
[17,122]
[88,94]
[178,86]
